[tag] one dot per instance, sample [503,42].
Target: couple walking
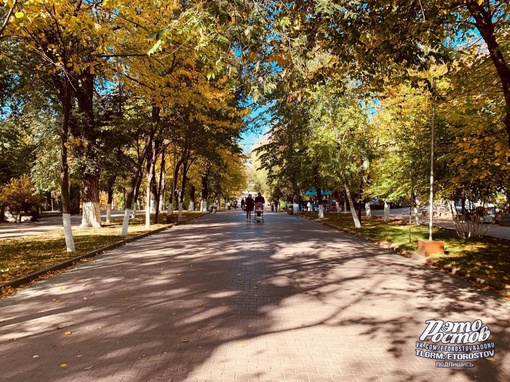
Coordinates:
[250,204]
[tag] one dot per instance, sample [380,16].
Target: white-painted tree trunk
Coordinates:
[125,222]
[153,206]
[148,208]
[191,206]
[68,232]
[368,211]
[162,203]
[386,212]
[337,203]
[170,210]
[91,216]
[345,205]
[416,215]
[108,213]
[203,205]
[321,211]
[180,211]
[357,223]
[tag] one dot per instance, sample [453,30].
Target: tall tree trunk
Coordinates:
[192,192]
[159,187]
[368,210]
[174,186]
[128,202]
[154,191]
[355,218]
[319,201]
[360,204]
[64,170]
[337,201]
[136,196]
[134,186]
[205,191]
[484,23]
[91,215]
[386,211]
[109,202]
[152,165]
[183,186]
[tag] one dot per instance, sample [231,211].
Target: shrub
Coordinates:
[19,194]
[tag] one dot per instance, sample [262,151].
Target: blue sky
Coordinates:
[249,139]
[260,120]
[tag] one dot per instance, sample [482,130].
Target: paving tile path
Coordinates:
[221,299]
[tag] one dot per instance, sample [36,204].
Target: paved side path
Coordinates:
[224,300]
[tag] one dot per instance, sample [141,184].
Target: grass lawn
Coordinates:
[486,258]
[25,255]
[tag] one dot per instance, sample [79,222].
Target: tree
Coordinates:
[372,41]
[67,36]
[476,154]
[401,170]
[19,195]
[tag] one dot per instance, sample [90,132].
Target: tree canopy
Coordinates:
[139,95]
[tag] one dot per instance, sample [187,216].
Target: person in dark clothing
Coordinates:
[260,199]
[249,204]
[259,207]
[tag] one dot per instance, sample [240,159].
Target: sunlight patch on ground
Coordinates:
[38,325]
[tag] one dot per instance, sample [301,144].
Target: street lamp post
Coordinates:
[427,247]
[432,139]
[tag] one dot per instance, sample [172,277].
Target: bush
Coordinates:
[19,196]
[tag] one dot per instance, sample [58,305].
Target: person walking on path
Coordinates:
[249,204]
[210,301]
[260,199]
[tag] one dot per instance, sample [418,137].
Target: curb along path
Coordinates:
[73,261]
[35,275]
[221,299]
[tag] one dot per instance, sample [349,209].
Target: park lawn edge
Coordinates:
[10,287]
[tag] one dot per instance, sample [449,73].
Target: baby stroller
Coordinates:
[259,212]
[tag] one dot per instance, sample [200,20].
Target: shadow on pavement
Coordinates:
[222,299]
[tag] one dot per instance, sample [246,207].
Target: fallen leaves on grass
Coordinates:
[22,256]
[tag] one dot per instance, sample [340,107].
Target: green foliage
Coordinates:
[401,170]
[16,150]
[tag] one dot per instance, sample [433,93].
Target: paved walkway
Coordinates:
[54,223]
[220,299]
